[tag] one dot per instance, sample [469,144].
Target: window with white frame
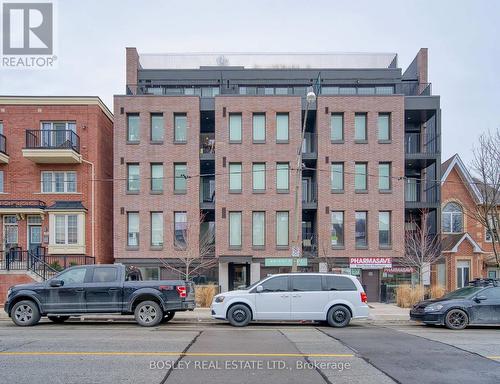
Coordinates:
[494,225]
[452,218]
[58,133]
[58,182]
[1,182]
[66,229]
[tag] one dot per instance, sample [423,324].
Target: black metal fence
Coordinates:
[52,139]
[3,144]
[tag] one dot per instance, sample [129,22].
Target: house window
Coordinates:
[133,178]
[180,230]
[66,229]
[452,218]
[337,176]
[133,127]
[157,127]
[282,127]
[259,127]
[234,177]
[282,228]
[361,233]
[384,228]
[337,228]
[180,127]
[259,176]
[360,131]
[384,126]
[494,225]
[337,127]
[463,273]
[1,127]
[235,229]
[384,176]
[235,127]
[133,229]
[360,177]
[1,182]
[156,229]
[157,177]
[58,182]
[180,178]
[258,228]
[282,176]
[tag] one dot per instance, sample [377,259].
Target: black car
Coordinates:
[476,304]
[99,289]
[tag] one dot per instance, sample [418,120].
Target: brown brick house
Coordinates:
[466,246]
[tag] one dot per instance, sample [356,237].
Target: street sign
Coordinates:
[295,251]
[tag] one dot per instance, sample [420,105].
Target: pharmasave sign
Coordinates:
[370,262]
[28,30]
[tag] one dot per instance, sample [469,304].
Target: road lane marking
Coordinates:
[493,357]
[187,354]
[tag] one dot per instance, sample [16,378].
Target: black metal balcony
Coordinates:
[52,139]
[3,144]
[421,194]
[309,245]
[207,146]
[207,192]
[309,146]
[421,144]
[309,194]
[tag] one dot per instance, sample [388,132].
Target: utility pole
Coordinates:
[310,98]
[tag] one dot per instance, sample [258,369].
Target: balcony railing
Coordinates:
[309,192]
[3,144]
[207,143]
[418,191]
[207,189]
[309,244]
[422,143]
[414,88]
[52,139]
[309,143]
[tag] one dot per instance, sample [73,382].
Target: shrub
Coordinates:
[407,296]
[437,291]
[55,265]
[73,264]
[204,294]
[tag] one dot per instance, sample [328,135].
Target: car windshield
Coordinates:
[256,283]
[462,293]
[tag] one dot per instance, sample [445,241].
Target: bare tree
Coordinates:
[326,247]
[422,248]
[486,166]
[194,256]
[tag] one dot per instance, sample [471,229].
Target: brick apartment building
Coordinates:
[55,188]
[467,246]
[217,136]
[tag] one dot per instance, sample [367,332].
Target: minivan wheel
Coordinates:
[456,319]
[25,313]
[338,316]
[239,315]
[58,319]
[169,315]
[148,314]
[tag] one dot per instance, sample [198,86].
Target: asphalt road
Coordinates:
[121,352]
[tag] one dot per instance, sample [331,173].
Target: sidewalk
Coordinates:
[379,313]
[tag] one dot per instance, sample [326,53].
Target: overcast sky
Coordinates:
[462,37]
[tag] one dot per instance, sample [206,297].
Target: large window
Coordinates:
[259,176]
[235,229]
[463,273]
[259,127]
[337,177]
[361,176]
[282,176]
[133,178]
[66,229]
[156,229]
[235,127]
[258,229]
[282,127]
[337,127]
[180,230]
[58,182]
[133,127]
[384,176]
[360,130]
[306,283]
[337,229]
[494,223]
[282,228]
[157,127]
[384,228]
[180,178]
[180,127]
[235,177]
[384,126]
[339,283]
[452,218]
[156,177]
[361,229]
[133,229]
[1,182]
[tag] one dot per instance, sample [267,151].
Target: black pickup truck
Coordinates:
[112,288]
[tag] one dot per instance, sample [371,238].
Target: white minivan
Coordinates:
[295,296]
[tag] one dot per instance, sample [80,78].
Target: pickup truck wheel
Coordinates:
[25,313]
[58,319]
[338,316]
[169,315]
[239,315]
[148,314]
